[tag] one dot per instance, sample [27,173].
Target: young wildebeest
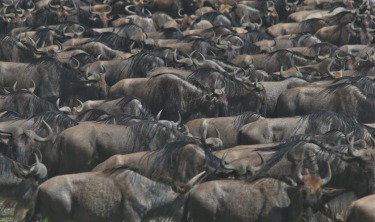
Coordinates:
[116,195]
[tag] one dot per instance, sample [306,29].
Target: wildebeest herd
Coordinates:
[187,110]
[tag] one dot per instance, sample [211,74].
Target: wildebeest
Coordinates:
[352,164]
[227,127]
[133,67]
[25,103]
[173,95]
[361,210]
[241,96]
[19,182]
[55,80]
[270,130]
[345,98]
[166,164]
[84,146]
[112,195]
[265,199]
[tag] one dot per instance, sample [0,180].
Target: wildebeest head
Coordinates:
[18,143]
[312,186]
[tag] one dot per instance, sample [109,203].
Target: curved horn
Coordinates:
[77,62]
[79,108]
[53,6]
[351,26]
[338,57]
[240,46]
[32,7]
[225,165]
[196,179]
[19,11]
[38,169]
[299,171]
[159,114]
[63,109]
[217,132]
[281,71]
[186,61]
[3,113]
[196,62]
[179,118]
[32,135]
[127,9]
[32,89]
[15,86]
[355,153]
[254,169]
[149,13]
[204,132]
[179,12]
[326,179]
[329,69]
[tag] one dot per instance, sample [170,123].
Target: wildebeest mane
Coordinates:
[233,86]
[167,159]
[310,24]
[30,105]
[145,114]
[150,128]
[119,119]
[6,167]
[255,36]
[92,115]
[338,121]
[133,66]
[14,51]
[363,82]
[9,115]
[245,118]
[54,118]
[164,91]
[294,144]
[116,42]
[171,33]
[52,66]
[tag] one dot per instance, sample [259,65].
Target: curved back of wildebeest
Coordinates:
[136,66]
